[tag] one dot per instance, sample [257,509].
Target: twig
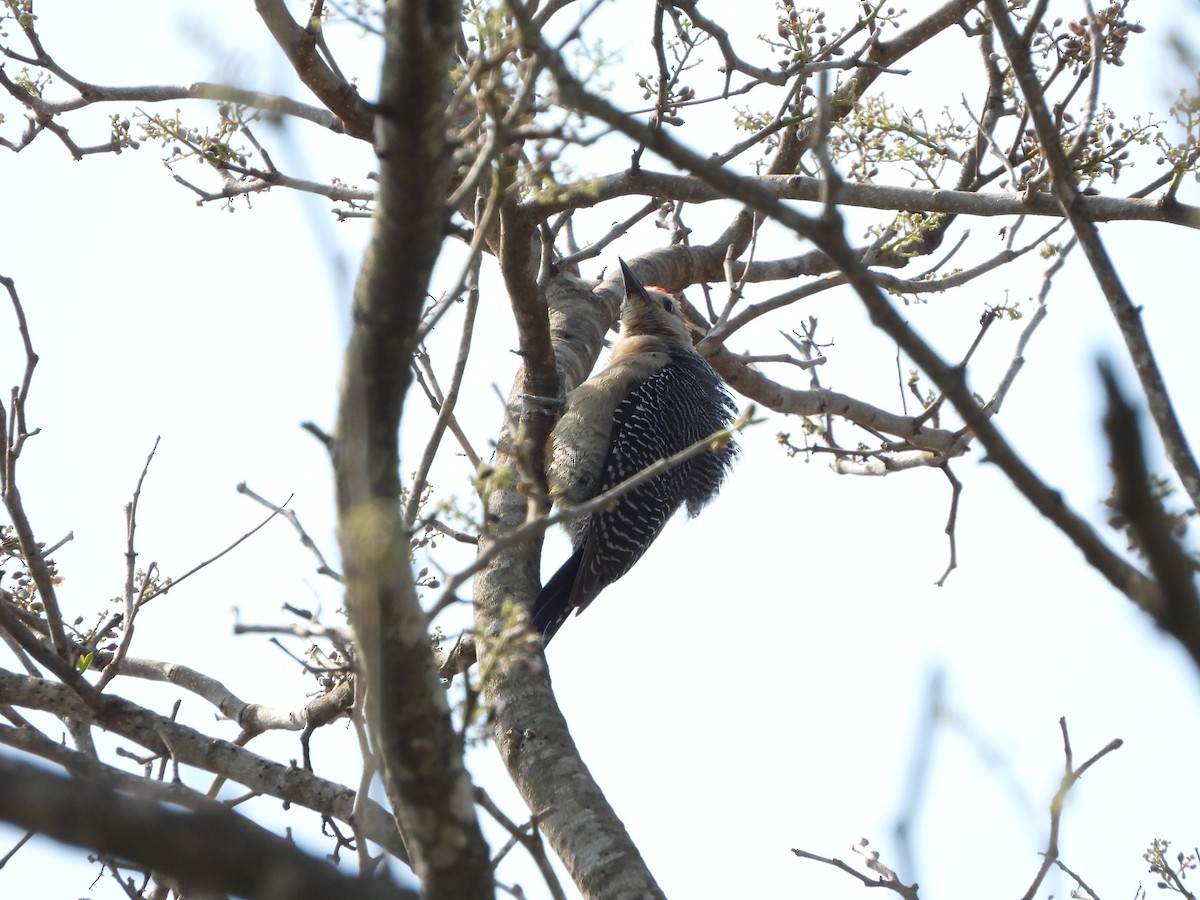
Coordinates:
[916,784]
[932,411]
[357,717]
[1096,37]
[951,522]
[427,379]
[528,837]
[252,718]
[15,431]
[192,571]
[420,479]
[452,533]
[923,285]
[1039,313]
[724,329]
[21,842]
[323,567]
[1070,776]
[484,222]
[461,657]
[596,247]
[1083,884]
[340,637]
[908,891]
[131,604]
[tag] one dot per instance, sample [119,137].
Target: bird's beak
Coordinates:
[633,287]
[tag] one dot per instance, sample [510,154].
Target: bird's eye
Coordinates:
[668,304]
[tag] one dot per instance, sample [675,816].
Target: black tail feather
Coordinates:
[553,604]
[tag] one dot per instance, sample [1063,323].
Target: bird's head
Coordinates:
[651,310]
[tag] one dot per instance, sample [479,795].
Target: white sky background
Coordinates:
[756,684]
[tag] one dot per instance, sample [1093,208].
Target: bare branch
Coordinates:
[951,524]
[1124,311]
[528,837]
[130,599]
[300,46]
[908,891]
[323,567]
[1039,314]
[15,432]
[91,94]
[252,718]
[254,862]
[167,738]
[1070,776]
[865,196]
[753,384]
[446,408]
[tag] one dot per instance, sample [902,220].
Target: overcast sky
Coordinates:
[761,680]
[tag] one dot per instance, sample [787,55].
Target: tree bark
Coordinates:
[419,752]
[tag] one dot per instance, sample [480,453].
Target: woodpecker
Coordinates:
[655,397]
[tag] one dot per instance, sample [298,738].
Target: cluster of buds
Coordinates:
[21,586]
[1070,38]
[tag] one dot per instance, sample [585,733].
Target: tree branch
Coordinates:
[1128,316]
[890,198]
[424,778]
[1173,569]
[253,862]
[186,746]
[300,46]
[1070,776]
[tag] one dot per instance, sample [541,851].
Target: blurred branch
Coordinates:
[1070,776]
[1143,515]
[254,863]
[1088,894]
[91,94]
[920,762]
[417,748]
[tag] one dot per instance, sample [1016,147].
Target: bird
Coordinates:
[656,397]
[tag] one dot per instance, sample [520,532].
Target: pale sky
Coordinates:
[757,682]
